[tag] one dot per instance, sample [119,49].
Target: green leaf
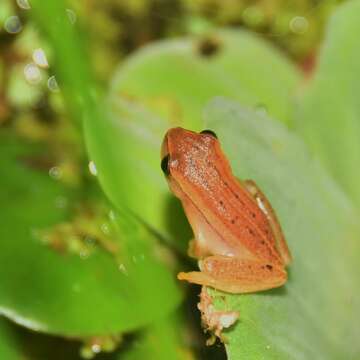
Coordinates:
[177,77]
[62,293]
[328,111]
[314,316]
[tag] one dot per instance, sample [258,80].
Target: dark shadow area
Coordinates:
[39,346]
[198,336]
[176,223]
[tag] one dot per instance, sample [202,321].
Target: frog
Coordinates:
[238,240]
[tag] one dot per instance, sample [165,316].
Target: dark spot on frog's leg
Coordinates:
[221,202]
[233,221]
[269,267]
[253,215]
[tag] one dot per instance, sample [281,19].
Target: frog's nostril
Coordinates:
[165,165]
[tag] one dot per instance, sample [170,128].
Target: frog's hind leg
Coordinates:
[269,212]
[233,275]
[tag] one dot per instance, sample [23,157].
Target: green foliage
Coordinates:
[126,282]
[145,79]
[223,63]
[328,108]
[64,293]
[308,318]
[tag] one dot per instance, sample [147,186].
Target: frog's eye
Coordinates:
[209,132]
[165,165]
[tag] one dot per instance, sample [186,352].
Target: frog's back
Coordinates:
[204,174]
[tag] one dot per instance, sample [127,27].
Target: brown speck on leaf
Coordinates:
[208,47]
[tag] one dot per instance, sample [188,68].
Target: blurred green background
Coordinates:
[91,238]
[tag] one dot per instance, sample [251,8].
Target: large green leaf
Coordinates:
[62,293]
[328,111]
[177,77]
[315,315]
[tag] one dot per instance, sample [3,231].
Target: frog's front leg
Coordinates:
[235,275]
[267,209]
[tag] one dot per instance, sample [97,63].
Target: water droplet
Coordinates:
[39,58]
[13,24]
[84,254]
[23,4]
[122,268]
[32,74]
[112,215]
[89,240]
[52,84]
[95,348]
[299,24]
[105,228]
[55,172]
[92,168]
[61,202]
[71,15]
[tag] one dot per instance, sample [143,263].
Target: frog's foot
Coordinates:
[237,276]
[214,321]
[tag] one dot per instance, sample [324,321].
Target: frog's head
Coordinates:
[191,159]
